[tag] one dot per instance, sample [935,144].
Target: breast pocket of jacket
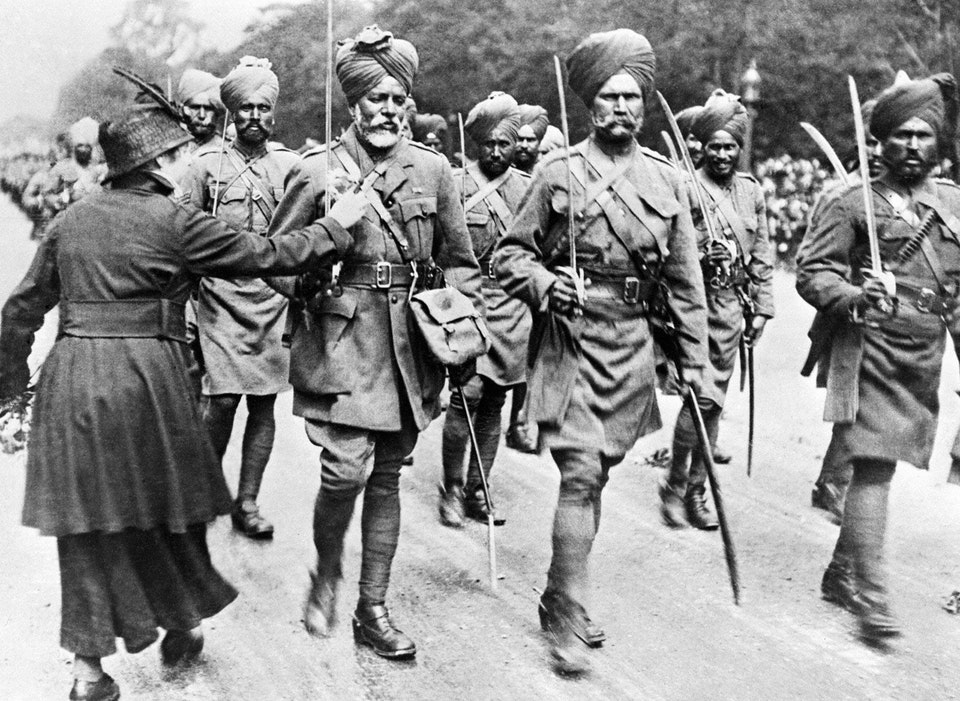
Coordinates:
[232,207]
[419,215]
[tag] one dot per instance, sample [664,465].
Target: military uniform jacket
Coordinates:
[241,320]
[884,372]
[591,380]
[738,214]
[357,359]
[508,318]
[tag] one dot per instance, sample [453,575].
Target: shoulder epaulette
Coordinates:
[747,176]
[317,150]
[559,154]
[656,155]
[946,182]
[425,149]
[210,148]
[519,173]
[273,147]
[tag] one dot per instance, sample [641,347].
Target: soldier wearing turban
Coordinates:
[492,190]
[533,125]
[362,377]
[685,119]
[552,139]
[591,371]
[430,130]
[737,270]
[240,320]
[890,330]
[198,93]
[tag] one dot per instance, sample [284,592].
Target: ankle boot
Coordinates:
[839,586]
[671,506]
[181,646]
[104,689]
[247,519]
[451,506]
[698,515]
[876,621]
[320,610]
[566,647]
[589,632]
[372,626]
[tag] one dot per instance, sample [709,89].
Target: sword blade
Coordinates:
[671,149]
[828,151]
[707,453]
[868,213]
[328,111]
[753,413]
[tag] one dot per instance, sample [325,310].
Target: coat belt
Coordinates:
[133,318]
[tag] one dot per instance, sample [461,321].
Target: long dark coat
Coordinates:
[591,381]
[883,375]
[117,440]
[357,358]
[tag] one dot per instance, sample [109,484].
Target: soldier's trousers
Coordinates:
[836,469]
[583,475]
[218,412]
[485,400]
[864,527]
[687,443]
[356,460]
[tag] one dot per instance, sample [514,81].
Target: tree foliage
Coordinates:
[804,50]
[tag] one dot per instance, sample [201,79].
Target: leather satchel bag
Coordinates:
[452,329]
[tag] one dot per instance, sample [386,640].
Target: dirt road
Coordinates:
[662,595]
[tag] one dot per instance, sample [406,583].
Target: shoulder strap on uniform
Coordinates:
[262,197]
[487,192]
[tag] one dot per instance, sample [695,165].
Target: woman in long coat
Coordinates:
[120,469]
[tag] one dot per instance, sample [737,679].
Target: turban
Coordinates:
[605,54]
[193,83]
[866,112]
[722,111]
[251,80]
[362,62]
[686,117]
[84,131]
[932,99]
[552,139]
[498,110]
[426,124]
[535,117]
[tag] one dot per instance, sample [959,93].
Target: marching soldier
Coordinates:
[889,337]
[363,379]
[591,382]
[685,119]
[203,112]
[491,190]
[241,320]
[737,270]
[533,125]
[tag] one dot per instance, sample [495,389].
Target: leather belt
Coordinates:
[487,276]
[381,275]
[629,289]
[924,299]
[133,318]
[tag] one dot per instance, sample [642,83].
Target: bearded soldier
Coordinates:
[491,190]
[591,383]
[362,376]
[199,95]
[737,269]
[889,336]
[685,119]
[241,320]
[533,125]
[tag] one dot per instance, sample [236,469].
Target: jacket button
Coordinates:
[389,202]
[393,298]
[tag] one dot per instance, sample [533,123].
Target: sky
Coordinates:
[43,42]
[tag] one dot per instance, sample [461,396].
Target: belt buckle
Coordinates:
[384,275]
[631,290]
[925,300]
[490,269]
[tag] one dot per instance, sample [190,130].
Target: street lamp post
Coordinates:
[750,89]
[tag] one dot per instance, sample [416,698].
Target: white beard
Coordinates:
[378,138]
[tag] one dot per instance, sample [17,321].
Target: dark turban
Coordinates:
[362,62]
[933,99]
[251,80]
[535,117]
[194,82]
[425,125]
[686,117]
[722,111]
[604,54]
[498,110]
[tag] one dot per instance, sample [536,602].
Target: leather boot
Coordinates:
[721,456]
[320,610]
[589,632]
[828,497]
[475,507]
[372,626]
[104,689]
[181,646]
[671,506]
[566,647]
[247,519]
[839,586]
[519,439]
[876,622]
[451,506]
[698,514]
